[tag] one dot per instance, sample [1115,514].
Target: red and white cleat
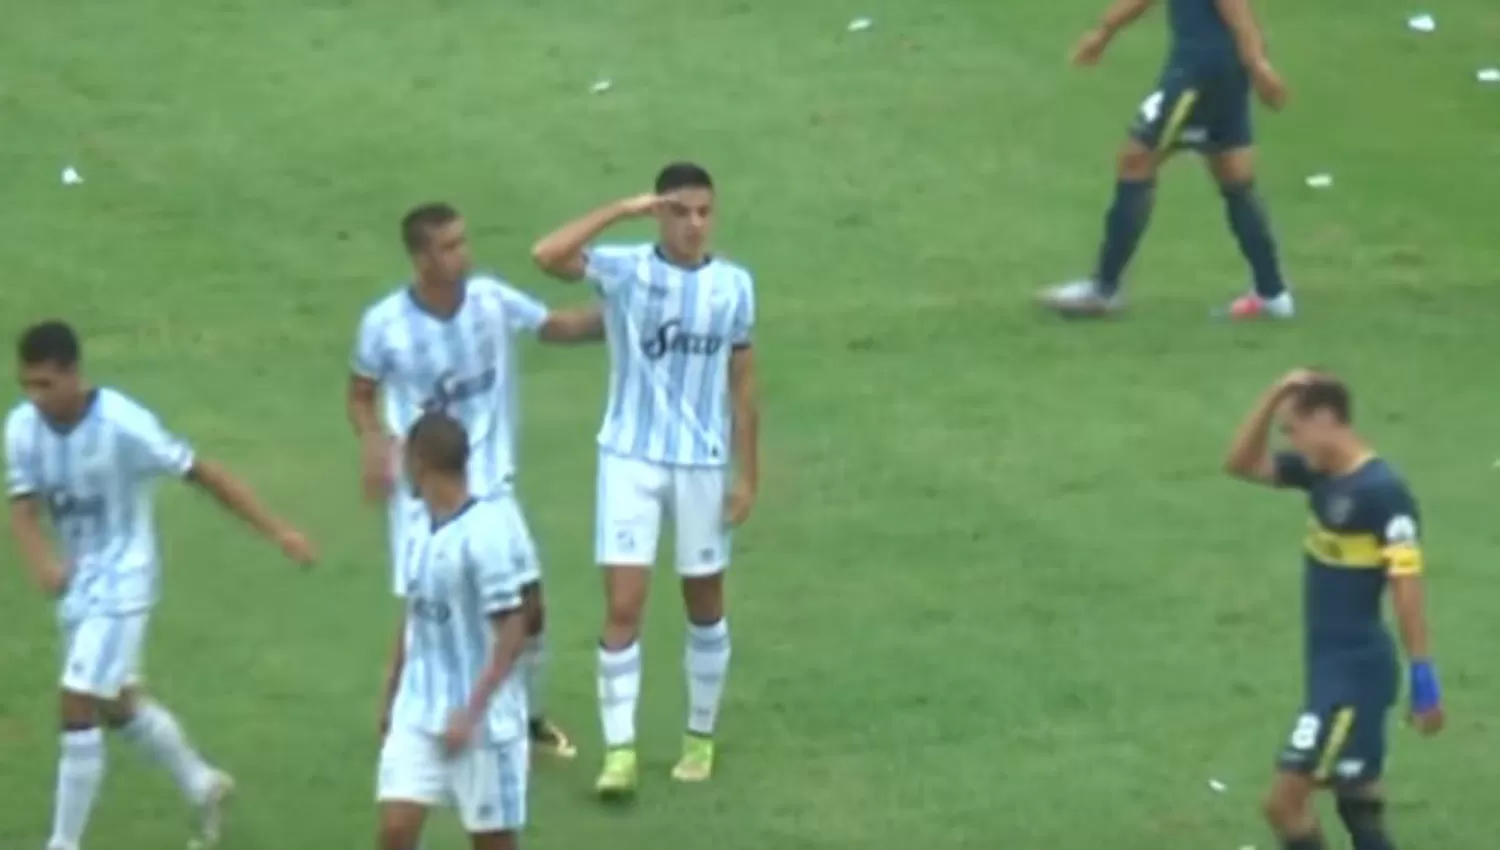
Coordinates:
[1251,307]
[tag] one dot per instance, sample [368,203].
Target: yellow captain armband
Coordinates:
[1403,557]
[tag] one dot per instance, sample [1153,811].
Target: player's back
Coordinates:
[454,573]
[97,481]
[671,331]
[1200,36]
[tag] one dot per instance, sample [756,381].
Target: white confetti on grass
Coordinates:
[601,86]
[1421,23]
[1319,181]
[1217,786]
[71,177]
[860,24]
[1488,75]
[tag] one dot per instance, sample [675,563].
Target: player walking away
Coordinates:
[1202,102]
[681,398]
[88,457]
[455,727]
[1362,537]
[445,343]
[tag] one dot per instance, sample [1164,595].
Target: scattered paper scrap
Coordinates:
[1421,23]
[1319,181]
[1488,75]
[860,24]
[601,86]
[1247,847]
[1217,787]
[71,177]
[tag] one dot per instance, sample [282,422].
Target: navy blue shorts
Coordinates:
[1206,111]
[1339,737]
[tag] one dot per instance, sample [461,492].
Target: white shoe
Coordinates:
[1080,298]
[1252,306]
[211,811]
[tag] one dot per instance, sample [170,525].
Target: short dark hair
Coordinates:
[418,224]
[440,441]
[1324,392]
[683,175]
[52,341]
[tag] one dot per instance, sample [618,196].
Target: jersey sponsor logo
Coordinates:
[449,389]
[67,506]
[671,338]
[431,610]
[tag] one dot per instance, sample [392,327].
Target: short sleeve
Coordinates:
[497,569]
[1292,471]
[20,459]
[523,312]
[1399,533]
[369,360]
[155,450]
[610,267]
[742,326]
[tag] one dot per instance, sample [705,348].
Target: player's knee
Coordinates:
[1136,162]
[622,620]
[77,710]
[1282,811]
[703,596]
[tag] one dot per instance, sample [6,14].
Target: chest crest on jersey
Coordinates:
[1339,509]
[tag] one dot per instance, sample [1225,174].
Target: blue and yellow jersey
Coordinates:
[1200,37]
[1362,531]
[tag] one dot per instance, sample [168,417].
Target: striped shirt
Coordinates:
[458,575]
[464,365]
[670,332]
[97,479]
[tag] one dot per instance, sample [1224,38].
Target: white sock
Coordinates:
[533,670]
[619,691]
[80,770]
[156,732]
[707,664]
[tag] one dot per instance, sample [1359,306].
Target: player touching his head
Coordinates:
[1201,102]
[88,458]
[446,342]
[1363,537]
[682,402]
[455,726]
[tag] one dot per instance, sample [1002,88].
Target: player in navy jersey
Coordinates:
[88,458]
[1363,537]
[682,405]
[1201,102]
[446,342]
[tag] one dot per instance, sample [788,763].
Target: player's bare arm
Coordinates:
[577,325]
[375,445]
[1409,604]
[1121,14]
[745,433]
[1252,49]
[507,639]
[1249,455]
[237,497]
[36,553]
[560,253]
[393,676]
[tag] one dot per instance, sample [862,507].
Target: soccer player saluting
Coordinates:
[89,457]
[455,726]
[445,343]
[681,401]
[1202,102]
[1362,537]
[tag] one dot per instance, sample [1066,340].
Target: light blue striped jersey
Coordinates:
[97,479]
[670,332]
[464,365]
[457,575]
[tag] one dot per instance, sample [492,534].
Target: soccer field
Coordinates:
[996,593]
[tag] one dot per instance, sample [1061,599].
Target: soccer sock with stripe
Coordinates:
[707,665]
[80,770]
[533,670]
[1124,225]
[619,691]
[1252,230]
[156,733]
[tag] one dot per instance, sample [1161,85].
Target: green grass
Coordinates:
[996,594]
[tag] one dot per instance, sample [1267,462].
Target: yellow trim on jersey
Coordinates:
[1338,737]
[1405,559]
[1180,111]
[1358,550]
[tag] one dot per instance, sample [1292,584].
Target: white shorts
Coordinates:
[486,783]
[633,497]
[102,654]
[404,510]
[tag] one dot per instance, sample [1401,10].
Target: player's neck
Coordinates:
[74,410]
[446,500]
[687,262]
[1348,457]
[439,298]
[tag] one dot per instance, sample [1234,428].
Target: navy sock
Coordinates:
[1252,229]
[1124,225]
[1364,819]
[1310,842]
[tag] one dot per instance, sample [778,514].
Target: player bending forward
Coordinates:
[446,343]
[89,458]
[1362,537]
[1202,102]
[455,728]
[681,399]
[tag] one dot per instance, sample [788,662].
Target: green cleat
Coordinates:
[617,779]
[697,762]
